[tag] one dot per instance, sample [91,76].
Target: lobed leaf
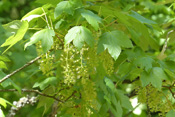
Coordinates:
[113,41]
[79,35]
[19,34]
[64,6]
[46,37]
[91,18]
[155,77]
[38,12]
[45,83]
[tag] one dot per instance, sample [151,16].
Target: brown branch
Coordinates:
[111,23]
[59,38]
[70,96]
[169,88]
[30,90]
[147,101]
[19,69]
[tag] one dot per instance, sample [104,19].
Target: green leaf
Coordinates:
[144,63]
[141,18]
[5,59]
[79,35]
[46,38]
[45,101]
[3,65]
[45,83]
[118,111]
[1,113]
[172,37]
[170,73]
[64,6]
[155,77]
[53,2]
[57,25]
[16,37]
[91,18]
[4,102]
[140,34]
[13,26]
[124,100]
[171,114]
[38,12]
[16,86]
[113,41]
[109,84]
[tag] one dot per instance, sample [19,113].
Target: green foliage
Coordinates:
[79,35]
[113,41]
[45,36]
[64,6]
[91,18]
[155,77]
[19,29]
[170,113]
[95,58]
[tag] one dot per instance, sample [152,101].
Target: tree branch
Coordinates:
[131,110]
[30,90]
[19,69]
[166,42]
[169,88]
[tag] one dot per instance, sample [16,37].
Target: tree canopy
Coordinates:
[87,58]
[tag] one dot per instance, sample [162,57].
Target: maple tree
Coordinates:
[93,58]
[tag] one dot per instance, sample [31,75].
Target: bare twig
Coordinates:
[169,88]
[70,96]
[59,38]
[147,101]
[131,110]
[111,23]
[166,42]
[21,68]
[30,90]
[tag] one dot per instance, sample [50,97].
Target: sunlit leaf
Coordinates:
[38,12]
[46,38]
[141,18]
[1,113]
[64,6]
[4,102]
[13,26]
[5,59]
[79,35]
[3,65]
[46,82]
[21,30]
[91,18]
[57,25]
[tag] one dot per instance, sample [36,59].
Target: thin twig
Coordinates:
[131,110]
[21,68]
[30,90]
[46,19]
[70,96]
[169,88]
[59,38]
[166,42]
[111,23]
[147,101]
